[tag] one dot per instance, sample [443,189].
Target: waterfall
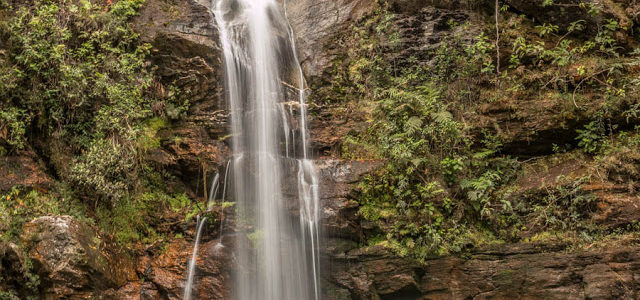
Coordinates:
[276,193]
[188,289]
[213,191]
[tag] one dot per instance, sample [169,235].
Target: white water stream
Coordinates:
[192,263]
[275,192]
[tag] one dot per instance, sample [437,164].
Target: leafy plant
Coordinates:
[451,168]
[106,171]
[13,123]
[590,137]
[137,219]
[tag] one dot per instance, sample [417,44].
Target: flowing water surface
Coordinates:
[273,182]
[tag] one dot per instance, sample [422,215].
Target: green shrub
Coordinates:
[81,76]
[451,168]
[75,81]
[79,72]
[563,207]
[440,182]
[590,137]
[126,221]
[13,123]
[105,171]
[137,219]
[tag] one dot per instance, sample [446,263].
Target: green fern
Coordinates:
[413,125]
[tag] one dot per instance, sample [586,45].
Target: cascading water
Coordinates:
[276,193]
[188,290]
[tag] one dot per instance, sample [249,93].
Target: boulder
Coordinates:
[72,260]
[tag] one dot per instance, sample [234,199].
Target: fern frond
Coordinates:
[413,125]
[442,116]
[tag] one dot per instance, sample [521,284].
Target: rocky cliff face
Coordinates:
[316,22]
[530,272]
[187,54]
[72,260]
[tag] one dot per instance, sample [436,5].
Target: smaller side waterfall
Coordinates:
[188,289]
[222,206]
[308,194]
[213,192]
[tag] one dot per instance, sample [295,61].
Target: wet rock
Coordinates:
[187,151]
[131,291]
[168,270]
[531,125]
[615,203]
[72,260]
[632,8]
[408,6]
[371,272]
[317,25]
[338,182]
[214,268]
[414,6]
[149,291]
[186,53]
[422,32]
[333,292]
[187,19]
[329,125]
[618,205]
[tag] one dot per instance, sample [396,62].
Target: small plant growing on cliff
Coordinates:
[590,137]
[451,168]
[566,206]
